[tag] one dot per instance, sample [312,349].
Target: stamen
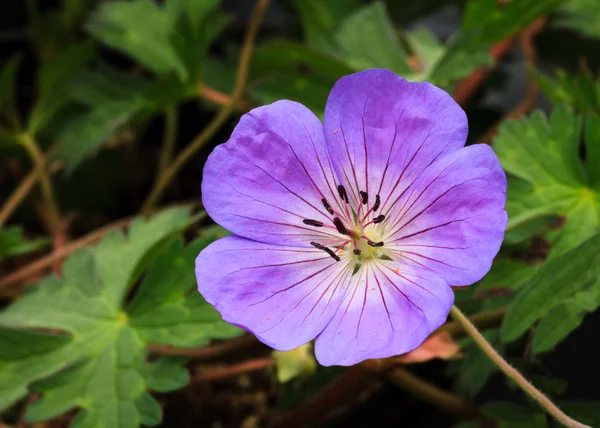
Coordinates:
[379,219]
[339,225]
[365,197]
[314,223]
[377,203]
[327,250]
[343,194]
[375,244]
[356,251]
[327,206]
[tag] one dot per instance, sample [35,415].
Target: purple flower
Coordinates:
[350,232]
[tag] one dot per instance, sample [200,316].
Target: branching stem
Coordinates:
[512,373]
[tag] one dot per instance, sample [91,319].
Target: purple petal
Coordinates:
[285,296]
[452,219]
[389,309]
[271,175]
[382,131]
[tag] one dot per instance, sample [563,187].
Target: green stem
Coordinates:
[512,373]
[39,162]
[170,136]
[481,320]
[240,85]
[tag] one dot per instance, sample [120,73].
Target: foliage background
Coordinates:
[108,110]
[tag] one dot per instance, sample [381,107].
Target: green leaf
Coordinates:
[592,149]
[430,53]
[484,24]
[287,70]
[105,84]
[369,40]
[22,344]
[12,243]
[101,367]
[553,184]
[558,279]
[85,134]
[508,274]
[310,92]
[320,21]
[581,91]
[493,23]
[557,324]
[287,57]
[161,312]
[53,80]
[582,16]
[195,25]
[142,29]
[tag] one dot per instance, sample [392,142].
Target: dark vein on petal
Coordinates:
[288,189]
[431,259]
[404,294]
[285,315]
[362,309]
[354,192]
[320,231]
[403,210]
[396,223]
[329,185]
[365,142]
[433,227]
[294,285]
[419,286]
[337,280]
[383,300]
[383,208]
[387,162]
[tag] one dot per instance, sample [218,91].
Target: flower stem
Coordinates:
[37,157]
[240,85]
[480,320]
[512,373]
[170,136]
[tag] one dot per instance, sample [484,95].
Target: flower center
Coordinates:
[360,229]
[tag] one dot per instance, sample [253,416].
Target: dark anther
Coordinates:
[314,223]
[375,244]
[364,196]
[343,194]
[356,251]
[379,219]
[377,203]
[327,206]
[339,225]
[327,250]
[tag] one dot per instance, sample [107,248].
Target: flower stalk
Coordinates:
[37,157]
[512,373]
[224,114]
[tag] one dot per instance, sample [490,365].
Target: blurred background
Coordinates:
[108,110]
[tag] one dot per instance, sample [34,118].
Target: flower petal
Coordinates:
[271,175]
[285,296]
[382,131]
[452,218]
[389,309]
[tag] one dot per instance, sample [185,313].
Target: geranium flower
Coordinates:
[351,231]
